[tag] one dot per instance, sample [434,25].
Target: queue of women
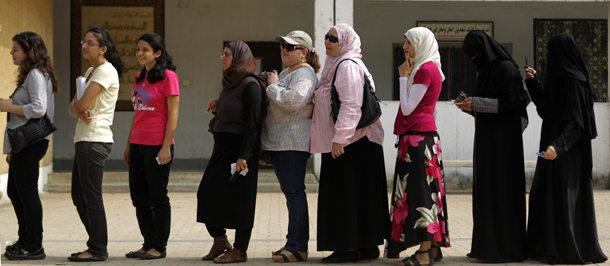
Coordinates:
[287,116]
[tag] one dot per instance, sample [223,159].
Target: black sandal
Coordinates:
[413,261]
[286,259]
[277,252]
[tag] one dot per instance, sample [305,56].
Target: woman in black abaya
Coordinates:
[562,227]
[498,197]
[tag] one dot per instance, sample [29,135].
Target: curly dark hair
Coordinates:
[37,58]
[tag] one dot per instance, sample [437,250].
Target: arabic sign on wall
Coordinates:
[455,31]
[125,21]
[125,25]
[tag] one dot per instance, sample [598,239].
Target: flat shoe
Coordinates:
[133,254]
[77,259]
[369,253]
[15,246]
[78,253]
[147,256]
[342,256]
[25,254]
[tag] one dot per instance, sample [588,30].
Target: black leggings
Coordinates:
[242,236]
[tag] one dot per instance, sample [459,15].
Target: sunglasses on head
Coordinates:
[331,38]
[289,47]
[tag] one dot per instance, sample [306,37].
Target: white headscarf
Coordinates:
[426,50]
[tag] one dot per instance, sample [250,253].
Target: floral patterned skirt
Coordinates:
[418,207]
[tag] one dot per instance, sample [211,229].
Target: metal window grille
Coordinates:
[592,38]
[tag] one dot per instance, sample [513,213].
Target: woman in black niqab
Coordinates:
[562,228]
[498,197]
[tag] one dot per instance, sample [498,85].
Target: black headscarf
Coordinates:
[487,51]
[559,102]
[487,48]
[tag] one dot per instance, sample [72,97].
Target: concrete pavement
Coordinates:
[189,240]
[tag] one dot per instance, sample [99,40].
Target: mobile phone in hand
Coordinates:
[526,64]
[462,95]
[234,176]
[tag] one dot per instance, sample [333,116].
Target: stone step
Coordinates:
[264,176]
[118,182]
[171,187]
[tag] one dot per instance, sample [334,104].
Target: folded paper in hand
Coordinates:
[234,169]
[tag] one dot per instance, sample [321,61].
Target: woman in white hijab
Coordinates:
[418,207]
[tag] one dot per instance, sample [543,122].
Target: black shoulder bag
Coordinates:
[35,130]
[371,110]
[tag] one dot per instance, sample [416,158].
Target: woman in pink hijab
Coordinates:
[352,201]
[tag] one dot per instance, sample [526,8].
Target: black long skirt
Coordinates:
[353,199]
[220,202]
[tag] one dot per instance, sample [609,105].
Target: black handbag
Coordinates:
[371,110]
[35,130]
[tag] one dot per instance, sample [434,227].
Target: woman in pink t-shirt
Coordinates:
[150,144]
[418,207]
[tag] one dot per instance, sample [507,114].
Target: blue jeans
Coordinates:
[87,175]
[290,169]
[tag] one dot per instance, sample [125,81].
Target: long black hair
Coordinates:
[164,61]
[112,53]
[37,58]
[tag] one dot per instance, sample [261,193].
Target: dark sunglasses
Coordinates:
[289,47]
[331,38]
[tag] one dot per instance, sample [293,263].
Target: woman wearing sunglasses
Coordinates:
[353,199]
[286,134]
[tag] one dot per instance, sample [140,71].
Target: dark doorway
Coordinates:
[266,54]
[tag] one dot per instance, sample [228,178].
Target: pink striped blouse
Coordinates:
[349,84]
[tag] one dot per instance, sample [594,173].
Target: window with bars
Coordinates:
[592,38]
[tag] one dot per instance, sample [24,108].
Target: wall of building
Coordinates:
[18,16]
[194,33]
[382,23]
[196,30]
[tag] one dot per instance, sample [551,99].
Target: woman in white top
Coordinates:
[286,134]
[93,138]
[32,99]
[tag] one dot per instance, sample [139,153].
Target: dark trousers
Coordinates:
[290,168]
[148,188]
[87,174]
[22,189]
[242,235]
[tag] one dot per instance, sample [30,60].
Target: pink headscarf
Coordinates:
[349,47]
